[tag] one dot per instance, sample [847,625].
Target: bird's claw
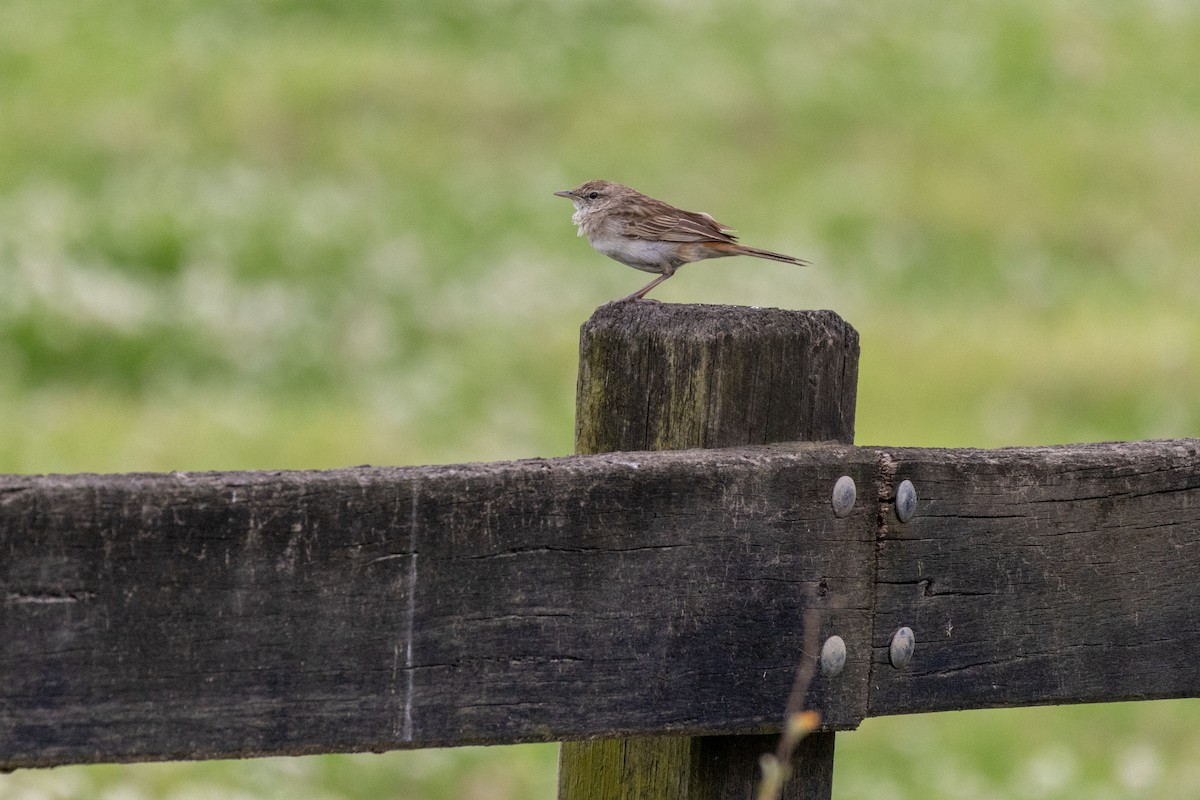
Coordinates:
[631,299]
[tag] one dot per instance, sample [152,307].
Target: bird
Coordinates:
[651,235]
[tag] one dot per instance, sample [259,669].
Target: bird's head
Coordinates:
[596,195]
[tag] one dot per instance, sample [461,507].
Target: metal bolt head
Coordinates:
[906,500]
[844,494]
[833,656]
[901,649]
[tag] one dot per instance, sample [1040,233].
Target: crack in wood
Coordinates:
[47,598]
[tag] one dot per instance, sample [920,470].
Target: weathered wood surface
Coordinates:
[1042,575]
[205,615]
[720,762]
[702,767]
[671,377]
[194,616]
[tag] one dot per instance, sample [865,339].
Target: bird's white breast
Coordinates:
[603,235]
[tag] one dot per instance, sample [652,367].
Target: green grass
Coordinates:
[1109,751]
[469,773]
[312,234]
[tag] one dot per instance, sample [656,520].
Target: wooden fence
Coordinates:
[643,607]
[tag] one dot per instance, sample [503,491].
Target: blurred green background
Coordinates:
[314,234]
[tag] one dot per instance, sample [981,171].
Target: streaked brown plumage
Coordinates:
[651,235]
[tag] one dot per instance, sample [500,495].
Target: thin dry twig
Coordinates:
[798,723]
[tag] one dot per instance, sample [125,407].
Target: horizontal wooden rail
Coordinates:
[1042,575]
[237,614]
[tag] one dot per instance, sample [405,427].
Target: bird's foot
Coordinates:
[633,298]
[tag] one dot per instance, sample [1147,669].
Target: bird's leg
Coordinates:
[640,294]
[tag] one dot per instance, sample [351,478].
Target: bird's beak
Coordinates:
[564,193]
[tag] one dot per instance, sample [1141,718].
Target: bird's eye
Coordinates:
[593,195]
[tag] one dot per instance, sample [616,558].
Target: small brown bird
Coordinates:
[650,235]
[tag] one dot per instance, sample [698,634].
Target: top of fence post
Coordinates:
[673,377]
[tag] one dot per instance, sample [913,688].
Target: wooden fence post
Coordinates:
[673,377]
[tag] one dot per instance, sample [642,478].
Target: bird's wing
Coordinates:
[678,226]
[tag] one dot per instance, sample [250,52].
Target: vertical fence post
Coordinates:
[672,377]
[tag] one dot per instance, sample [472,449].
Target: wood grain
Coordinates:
[1042,575]
[671,377]
[701,767]
[238,614]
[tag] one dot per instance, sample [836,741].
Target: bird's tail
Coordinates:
[744,250]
